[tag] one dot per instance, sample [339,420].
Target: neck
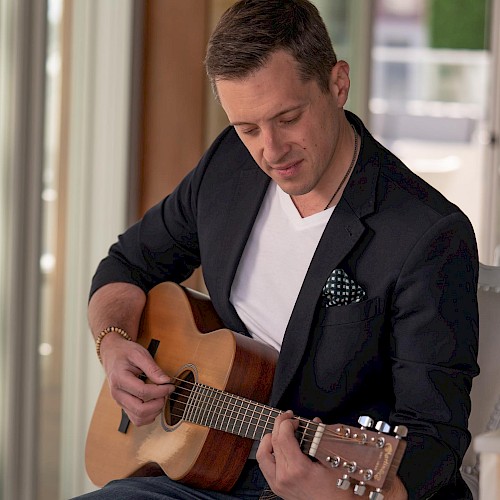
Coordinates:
[340,188]
[347,153]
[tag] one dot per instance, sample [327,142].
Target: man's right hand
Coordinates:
[123,362]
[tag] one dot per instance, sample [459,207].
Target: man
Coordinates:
[293,199]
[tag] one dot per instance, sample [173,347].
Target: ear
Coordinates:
[340,82]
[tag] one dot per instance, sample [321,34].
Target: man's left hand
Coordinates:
[294,476]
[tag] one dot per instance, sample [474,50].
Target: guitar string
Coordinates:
[327,451]
[332,436]
[307,437]
[328,434]
[233,406]
[235,409]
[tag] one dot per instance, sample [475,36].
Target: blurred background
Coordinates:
[104,106]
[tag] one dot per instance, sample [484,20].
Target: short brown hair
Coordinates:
[251,30]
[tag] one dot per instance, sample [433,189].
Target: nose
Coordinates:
[274,146]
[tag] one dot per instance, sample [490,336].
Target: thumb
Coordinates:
[155,374]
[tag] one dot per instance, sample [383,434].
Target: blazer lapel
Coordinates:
[341,234]
[241,213]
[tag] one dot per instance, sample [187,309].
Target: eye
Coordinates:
[249,131]
[290,121]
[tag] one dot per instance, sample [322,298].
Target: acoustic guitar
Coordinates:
[218,408]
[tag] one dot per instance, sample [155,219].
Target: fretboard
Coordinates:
[203,405]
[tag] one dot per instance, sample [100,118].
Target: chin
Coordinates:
[293,190]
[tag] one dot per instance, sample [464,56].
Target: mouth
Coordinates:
[288,170]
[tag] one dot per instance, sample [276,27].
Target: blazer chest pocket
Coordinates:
[348,342]
[355,312]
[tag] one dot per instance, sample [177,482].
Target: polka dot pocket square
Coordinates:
[340,290]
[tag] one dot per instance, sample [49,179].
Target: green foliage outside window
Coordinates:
[458,24]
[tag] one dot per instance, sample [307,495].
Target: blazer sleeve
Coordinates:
[434,349]
[164,244]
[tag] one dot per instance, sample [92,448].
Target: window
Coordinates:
[430,95]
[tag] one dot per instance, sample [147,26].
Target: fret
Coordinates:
[265,421]
[192,403]
[220,416]
[244,424]
[225,416]
[230,410]
[229,413]
[196,404]
[199,400]
[253,426]
[302,435]
[206,405]
[236,413]
[216,408]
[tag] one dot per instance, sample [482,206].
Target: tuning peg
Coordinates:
[344,483]
[365,421]
[382,426]
[401,431]
[376,495]
[360,489]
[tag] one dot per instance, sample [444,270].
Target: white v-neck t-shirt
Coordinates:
[274,264]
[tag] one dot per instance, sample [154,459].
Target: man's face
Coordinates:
[289,126]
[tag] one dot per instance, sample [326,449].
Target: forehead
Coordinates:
[275,87]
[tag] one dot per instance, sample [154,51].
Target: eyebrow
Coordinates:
[277,115]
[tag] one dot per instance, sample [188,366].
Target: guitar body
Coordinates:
[190,343]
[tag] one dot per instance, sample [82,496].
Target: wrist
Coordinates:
[104,333]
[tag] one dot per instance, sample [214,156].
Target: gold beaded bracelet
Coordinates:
[107,330]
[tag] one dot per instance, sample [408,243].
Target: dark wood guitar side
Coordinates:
[206,430]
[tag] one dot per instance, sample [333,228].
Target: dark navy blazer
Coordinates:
[406,354]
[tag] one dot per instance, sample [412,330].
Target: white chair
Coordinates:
[487,446]
[485,395]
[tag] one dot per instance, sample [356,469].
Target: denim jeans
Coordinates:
[250,486]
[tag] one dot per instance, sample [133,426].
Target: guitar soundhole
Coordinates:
[177,402]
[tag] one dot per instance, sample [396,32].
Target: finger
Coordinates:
[283,434]
[287,415]
[139,368]
[153,372]
[142,359]
[266,459]
[139,412]
[265,449]
[142,390]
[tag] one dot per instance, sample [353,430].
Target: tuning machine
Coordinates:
[383,427]
[343,483]
[360,489]
[401,431]
[366,422]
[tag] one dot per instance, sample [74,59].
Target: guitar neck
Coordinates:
[203,405]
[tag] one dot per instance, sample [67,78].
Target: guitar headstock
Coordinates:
[365,458]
